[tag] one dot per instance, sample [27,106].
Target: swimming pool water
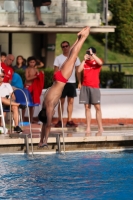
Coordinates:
[76,176]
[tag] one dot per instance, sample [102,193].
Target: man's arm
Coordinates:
[40,64]
[56,69]
[98,60]
[81,67]
[78,74]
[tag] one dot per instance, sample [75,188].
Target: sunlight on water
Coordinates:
[77,176]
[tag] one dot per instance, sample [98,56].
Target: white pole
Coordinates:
[62,126]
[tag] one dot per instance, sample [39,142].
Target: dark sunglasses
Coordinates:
[65,46]
[2,76]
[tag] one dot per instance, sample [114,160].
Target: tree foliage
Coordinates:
[122,39]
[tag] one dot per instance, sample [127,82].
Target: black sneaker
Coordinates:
[71,124]
[40,23]
[17,129]
[59,124]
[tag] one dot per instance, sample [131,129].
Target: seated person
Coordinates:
[16,81]
[20,63]
[3,56]
[6,66]
[5,93]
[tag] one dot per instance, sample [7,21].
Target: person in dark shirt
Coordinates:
[20,63]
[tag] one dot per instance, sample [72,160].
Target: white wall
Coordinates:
[4,41]
[115,103]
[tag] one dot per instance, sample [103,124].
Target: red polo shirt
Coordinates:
[91,74]
[8,73]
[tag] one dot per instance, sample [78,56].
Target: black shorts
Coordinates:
[5,108]
[42,116]
[38,3]
[69,90]
[89,95]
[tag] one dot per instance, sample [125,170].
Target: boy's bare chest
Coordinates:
[32,71]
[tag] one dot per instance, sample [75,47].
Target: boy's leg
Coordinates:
[49,113]
[65,70]
[46,127]
[31,114]
[42,135]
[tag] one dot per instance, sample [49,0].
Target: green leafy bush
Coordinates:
[48,72]
[117,77]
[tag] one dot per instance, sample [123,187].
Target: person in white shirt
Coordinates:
[5,94]
[70,87]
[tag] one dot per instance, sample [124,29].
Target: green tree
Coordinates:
[122,40]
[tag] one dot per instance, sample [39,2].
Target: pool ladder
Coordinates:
[62,127]
[26,139]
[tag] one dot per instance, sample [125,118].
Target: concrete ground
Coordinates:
[114,136]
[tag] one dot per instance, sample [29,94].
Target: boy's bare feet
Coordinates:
[84,32]
[41,145]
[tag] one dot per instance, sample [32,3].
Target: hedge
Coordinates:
[117,77]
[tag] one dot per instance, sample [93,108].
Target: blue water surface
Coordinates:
[76,176]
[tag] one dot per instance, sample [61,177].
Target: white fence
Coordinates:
[115,103]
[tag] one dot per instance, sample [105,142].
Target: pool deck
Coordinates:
[114,136]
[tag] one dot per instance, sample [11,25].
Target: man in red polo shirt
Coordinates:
[90,92]
[6,66]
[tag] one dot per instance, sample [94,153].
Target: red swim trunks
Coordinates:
[59,77]
[29,87]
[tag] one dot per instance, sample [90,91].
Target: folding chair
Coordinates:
[2,116]
[23,97]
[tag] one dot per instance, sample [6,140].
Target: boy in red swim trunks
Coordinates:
[53,94]
[34,82]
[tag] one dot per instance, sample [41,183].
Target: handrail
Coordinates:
[28,116]
[119,65]
[62,126]
[116,63]
[21,11]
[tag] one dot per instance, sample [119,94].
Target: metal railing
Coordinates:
[21,11]
[128,79]
[127,68]
[118,66]
[70,7]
